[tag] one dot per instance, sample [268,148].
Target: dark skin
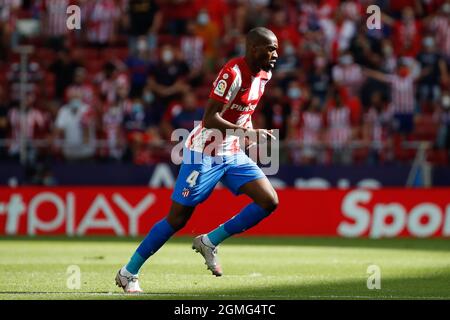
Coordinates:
[261,54]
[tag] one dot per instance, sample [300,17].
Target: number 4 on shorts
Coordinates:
[192,178]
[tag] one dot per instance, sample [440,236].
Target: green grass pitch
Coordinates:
[254,268]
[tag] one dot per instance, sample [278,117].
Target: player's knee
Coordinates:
[270,203]
[178,222]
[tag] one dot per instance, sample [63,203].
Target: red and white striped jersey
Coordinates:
[350,76]
[402,93]
[378,122]
[312,124]
[37,124]
[441,25]
[339,125]
[102,16]
[55,23]
[240,91]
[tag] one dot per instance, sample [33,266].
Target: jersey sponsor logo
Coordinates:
[238,107]
[220,88]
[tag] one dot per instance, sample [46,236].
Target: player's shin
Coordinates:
[250,216]
[158,235]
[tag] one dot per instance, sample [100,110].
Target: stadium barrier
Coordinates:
[130,211]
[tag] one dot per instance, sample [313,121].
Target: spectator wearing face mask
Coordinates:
[168,78]
[348,74]
[310,133]
[138,66]
[433,70]
[75,125]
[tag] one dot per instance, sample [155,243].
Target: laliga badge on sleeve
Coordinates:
[220,88]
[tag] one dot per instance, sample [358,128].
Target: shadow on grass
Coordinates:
[432,244]
[431,287]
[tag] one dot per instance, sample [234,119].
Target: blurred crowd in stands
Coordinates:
[115,89]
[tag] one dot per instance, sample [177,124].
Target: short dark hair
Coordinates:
[258,35]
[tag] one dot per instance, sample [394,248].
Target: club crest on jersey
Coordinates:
[185,192]
[220,88]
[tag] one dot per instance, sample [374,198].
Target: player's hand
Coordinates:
[259,136]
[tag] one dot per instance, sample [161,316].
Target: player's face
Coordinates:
[266,54]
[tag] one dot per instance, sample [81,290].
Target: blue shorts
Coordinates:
[199,174]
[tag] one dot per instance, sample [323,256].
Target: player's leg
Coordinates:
[127,277]
[242,176]
[265,201]
[197,178]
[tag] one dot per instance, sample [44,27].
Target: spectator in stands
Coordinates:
[402,85]
[434,70]
[81,87]
[338,119]
[406,33]
[442,116]
[319,80]
[377,127]
[182,115]
[102,21]
[310,134]
[34,76]
[168,79]
[63,68]
[4,126]
[141,130]
[75,125]
[275,110]
[112,121]
[37,127]
[439,24]
[192,48]
[108,80]
[139,65]
[209,32]
[177,13]
[9,12]
[338,33]
[348,74]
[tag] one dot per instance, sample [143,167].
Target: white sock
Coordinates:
[125,272]
[207,242]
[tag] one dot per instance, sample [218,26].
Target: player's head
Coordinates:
[261,48]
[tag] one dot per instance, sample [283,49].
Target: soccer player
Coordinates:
[235,94]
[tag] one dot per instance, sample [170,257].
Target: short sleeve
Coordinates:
[225,85]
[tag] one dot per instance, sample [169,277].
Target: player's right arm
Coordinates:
[225,87]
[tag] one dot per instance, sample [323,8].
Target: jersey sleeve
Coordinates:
[225,85]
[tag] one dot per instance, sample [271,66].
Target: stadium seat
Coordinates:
[425,128]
